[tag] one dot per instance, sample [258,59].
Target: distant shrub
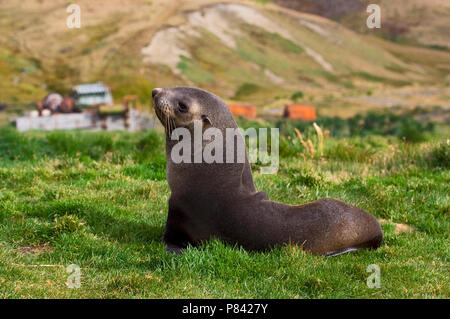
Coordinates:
[439,156]
[246,89]
[411,133]
[405,126]
[307,177]
[386,123]
[287,148]
[350,151]
[336,126]
[297,95]
[367,126]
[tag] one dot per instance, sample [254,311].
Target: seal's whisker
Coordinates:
[172,121]
[166,125]
[163,115]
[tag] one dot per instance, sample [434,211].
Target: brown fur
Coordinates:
[220,200]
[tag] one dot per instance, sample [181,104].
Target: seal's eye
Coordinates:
[182,107]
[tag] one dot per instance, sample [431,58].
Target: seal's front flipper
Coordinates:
[173,243]
[175,237]
[174,249]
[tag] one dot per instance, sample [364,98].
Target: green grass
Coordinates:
[99,200]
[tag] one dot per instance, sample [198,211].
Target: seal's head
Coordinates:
[181,106]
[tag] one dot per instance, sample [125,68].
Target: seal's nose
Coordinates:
[155,91]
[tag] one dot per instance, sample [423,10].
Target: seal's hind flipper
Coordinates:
[340,252]
[371,244]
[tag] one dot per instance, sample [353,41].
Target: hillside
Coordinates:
[242,50]
[417,22]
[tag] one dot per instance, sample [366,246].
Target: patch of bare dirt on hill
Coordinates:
[166,46]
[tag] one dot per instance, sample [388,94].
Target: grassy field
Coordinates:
[99,200]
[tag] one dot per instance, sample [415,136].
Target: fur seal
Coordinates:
[219,200]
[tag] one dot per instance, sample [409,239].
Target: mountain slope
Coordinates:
[241,50]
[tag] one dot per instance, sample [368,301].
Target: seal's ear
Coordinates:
[206,120]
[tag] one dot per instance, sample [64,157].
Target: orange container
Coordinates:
[300,112]
[243,110]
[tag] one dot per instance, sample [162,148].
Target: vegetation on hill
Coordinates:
[246,51]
